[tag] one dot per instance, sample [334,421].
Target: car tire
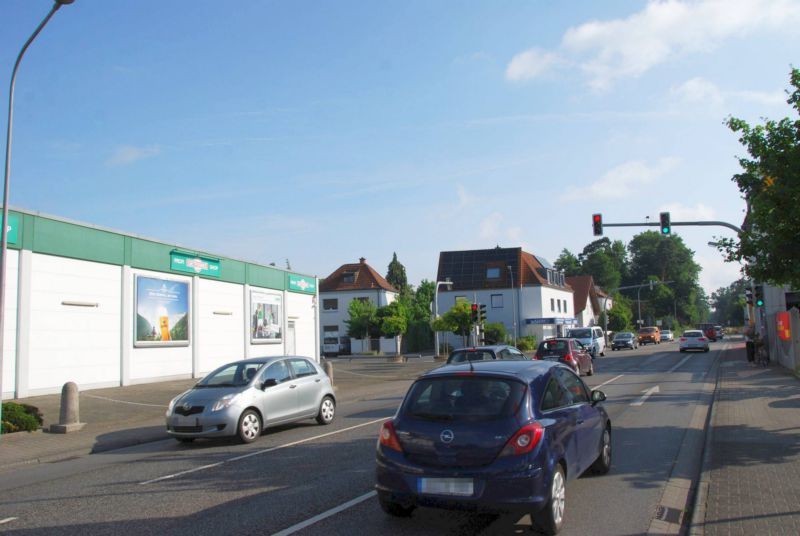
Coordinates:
[602,464]
[706,350]
[393,508]
[551,518]
[327,410]
[249,428]
[591,370]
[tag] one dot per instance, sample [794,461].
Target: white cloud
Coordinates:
[680,212]
[493,230]
[772,98]
[128,154]
[698,90]
[622,181]
[530,64]
[666,29]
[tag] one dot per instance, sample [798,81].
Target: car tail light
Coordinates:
[388,438]
[569,358]
[701,339]
[525,440]
[684,339]
[537,356]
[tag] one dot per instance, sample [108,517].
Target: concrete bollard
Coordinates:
[329,369]
[68,420]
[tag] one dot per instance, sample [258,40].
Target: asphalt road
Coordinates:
[311,479]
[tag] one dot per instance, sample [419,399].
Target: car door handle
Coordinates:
[293,386]
[317,380]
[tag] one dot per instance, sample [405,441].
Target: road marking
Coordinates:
[609,381]
[10,519]
[324,515]
[125,401]
[682,361]
[272,449]
[647,393]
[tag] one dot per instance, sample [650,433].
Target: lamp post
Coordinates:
[448,283]
[513,304]
[4,222]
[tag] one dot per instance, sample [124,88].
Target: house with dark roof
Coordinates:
[588,300]
[356,281]
[520,290]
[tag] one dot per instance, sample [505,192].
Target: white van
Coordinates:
[592,338]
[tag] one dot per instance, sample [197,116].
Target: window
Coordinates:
[554,396]
[493,273]
[565,306]
[330,329]
[362,299]
[574,386]
[302,368]
[278,372]
[552,304]
[559,306]
[330,304]
[349,277]
[497,301]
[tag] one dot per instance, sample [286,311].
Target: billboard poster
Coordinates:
[162,312]
[266,317]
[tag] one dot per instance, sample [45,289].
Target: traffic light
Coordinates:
[759,297]
[666,228]
[597,224]
[474,312]
[748,296]
[482,313]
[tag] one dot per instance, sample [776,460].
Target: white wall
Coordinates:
[379,297]
[218,333]
[10,325]
[74,329]
[300,310]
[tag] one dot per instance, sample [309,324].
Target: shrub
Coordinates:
[20,418]
[526,344]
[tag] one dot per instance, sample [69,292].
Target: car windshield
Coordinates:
[647,330]
[580,333]
[623,336]
[232,375]
[462,356]
[463,398]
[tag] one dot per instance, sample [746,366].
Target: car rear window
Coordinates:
[692,333]
[462,356]
[463,398]
[554,346]
[580,333]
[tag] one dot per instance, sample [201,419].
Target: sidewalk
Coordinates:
[751,471]
[119,417]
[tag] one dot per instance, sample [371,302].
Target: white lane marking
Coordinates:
[7,520]
[682,361]
[272,449]
[125,401]
[323,515]
[609,381]
[647,393]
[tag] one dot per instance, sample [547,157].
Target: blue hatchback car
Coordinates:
[496,436]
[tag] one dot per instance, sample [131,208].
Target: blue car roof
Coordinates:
[524,370]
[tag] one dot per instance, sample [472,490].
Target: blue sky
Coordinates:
[321,132]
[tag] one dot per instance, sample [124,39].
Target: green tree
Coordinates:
[620,317]
[363,320]
[605,262]
[457,320]
[770,184]
[396,275]
[729,303]
[393,320]
[495,333]
[568,263]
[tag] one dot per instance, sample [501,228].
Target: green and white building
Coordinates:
[102,308]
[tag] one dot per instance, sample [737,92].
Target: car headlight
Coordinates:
[172,405]
[225,402]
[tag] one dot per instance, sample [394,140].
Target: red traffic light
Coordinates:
[597,224]
[474,307]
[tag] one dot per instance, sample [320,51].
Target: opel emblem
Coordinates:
[446,436]
[186,406]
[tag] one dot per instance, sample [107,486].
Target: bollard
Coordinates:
[68,420]
[329,370]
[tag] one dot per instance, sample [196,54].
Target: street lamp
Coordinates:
[4,222]
[447,283]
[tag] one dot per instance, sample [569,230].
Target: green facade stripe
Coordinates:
[53,237]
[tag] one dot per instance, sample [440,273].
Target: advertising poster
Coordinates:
[162,312]
[266,317]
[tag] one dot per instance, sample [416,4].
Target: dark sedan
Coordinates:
[568,351]
[624,339]
[494,436]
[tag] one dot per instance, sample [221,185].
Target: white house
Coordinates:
[588,300]
[347,283]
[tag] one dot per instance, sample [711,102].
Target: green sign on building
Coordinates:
[12,228]
[193,264]
[298,283]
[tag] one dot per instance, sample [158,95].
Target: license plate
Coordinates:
[446,486]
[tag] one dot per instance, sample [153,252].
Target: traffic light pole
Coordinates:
[677,223]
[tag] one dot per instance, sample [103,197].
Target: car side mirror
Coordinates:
[597,396]
[269,382]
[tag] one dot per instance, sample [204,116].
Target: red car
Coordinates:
[568,351]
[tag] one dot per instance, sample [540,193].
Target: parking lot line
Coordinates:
[682,361]
[609,381]
[271,449]
[7,520]
[333,511]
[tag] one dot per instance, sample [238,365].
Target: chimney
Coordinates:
[362,260]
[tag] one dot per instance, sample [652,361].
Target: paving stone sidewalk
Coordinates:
[753,474]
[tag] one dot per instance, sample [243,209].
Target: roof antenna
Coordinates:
[471,368]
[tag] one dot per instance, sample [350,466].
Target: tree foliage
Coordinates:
[770,184]
[396,275]
[363,319]
[729,303]
[457,320]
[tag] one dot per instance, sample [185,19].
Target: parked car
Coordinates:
[568,351]
[624,339]
[693,339]
[485,353]
[650,335]
[244,397]
[708,330]
[592,338]
[667,335]
[719,332]
[494,436]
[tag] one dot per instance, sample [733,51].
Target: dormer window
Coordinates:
[349,277]
[493,273]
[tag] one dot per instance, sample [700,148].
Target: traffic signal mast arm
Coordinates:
[676,223]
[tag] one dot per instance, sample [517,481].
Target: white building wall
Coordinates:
[300,310]
[218,333]
[74,328]
[379,297]
[9,371]
[158,363]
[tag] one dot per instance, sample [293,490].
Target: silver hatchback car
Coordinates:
[244,397]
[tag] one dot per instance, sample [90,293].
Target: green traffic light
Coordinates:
[760,303]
